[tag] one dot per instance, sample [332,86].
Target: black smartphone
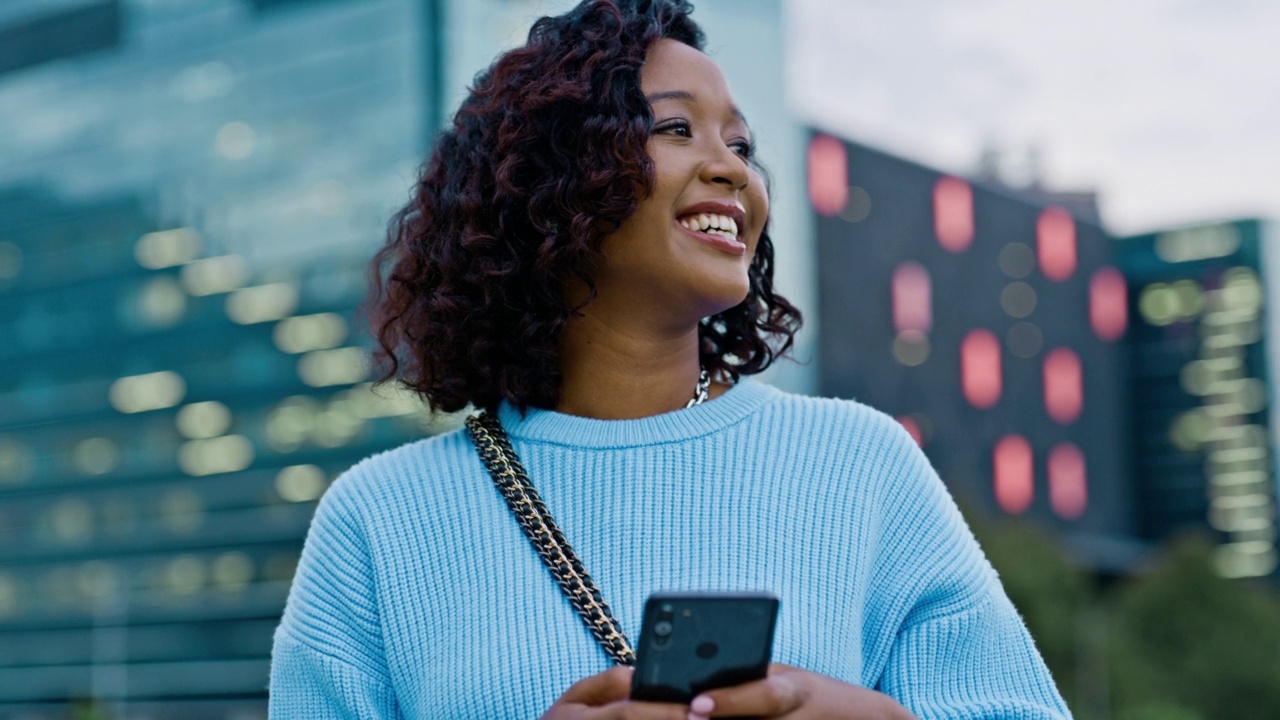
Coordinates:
[693,642]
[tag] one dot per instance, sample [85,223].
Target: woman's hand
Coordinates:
[606,697]
[797,694]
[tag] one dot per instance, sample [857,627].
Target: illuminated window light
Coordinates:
[1013,474]
[310,332]
[1198,243]
[162,301]
[10,260]
[95,456]
[232,571]
[235,140]
[1024,339]
[1056,243]
[1254,558]
[1017,260]
[1063,386]
[1241,290]
[337,425]
[1108,304]
[215,275]
[911,298]
[1018,299]
[167,248]
[152,391]
[340,366]
[300,483]
[1068,484]
[953,213]
[291,423]
[203,420]
[71,520]
[980,373]
[184,575]
[17,462]
[262,303]
[828,175]
[911,347]
[229,453]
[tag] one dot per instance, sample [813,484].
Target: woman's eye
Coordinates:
[679,129]
[745,148]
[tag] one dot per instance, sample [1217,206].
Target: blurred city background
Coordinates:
[1035,233]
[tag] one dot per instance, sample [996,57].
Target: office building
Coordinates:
[991,326]
[1200,363]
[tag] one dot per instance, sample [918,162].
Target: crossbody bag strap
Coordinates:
[513,482]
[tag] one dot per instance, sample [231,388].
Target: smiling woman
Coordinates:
[586,260]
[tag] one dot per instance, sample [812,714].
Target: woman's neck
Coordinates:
[615,373]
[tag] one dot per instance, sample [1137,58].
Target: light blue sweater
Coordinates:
[418,596]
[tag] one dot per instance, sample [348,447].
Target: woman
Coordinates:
[586,249]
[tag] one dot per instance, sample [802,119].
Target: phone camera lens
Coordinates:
[667,608]
[662,629]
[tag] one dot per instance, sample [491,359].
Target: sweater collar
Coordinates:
[549,426]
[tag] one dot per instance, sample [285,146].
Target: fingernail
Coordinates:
[702,705]
[696,716]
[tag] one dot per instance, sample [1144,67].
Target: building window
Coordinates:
[980,374]
[1056,243]
[1013,474]
[953,213]
[1068,486]
[828,175]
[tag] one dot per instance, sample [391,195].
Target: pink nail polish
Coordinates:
[702,705]
[696,716]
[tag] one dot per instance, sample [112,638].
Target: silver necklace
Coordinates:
[701,390]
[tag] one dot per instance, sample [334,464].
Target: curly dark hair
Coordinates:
[545,156]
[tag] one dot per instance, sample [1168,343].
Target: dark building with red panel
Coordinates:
[990,325]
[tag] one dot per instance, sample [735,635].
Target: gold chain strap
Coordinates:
[513,482]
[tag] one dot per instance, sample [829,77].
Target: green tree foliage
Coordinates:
[1174,642]
[1185,638]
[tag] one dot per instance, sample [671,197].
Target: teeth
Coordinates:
[710,222]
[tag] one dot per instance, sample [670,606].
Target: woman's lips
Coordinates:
[719,242]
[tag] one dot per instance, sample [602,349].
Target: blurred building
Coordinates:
[991,325]
[1200,361]
[189,192]
[169,420]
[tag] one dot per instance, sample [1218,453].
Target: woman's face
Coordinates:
[686,249]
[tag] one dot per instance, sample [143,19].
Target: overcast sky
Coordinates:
[1169,108]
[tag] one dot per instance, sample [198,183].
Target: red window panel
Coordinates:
[1068,484]
[953,213]
[828,175]
[1063,386]
[1056,243]
[1108,304]
[912,299]
[913,429]
[1013,473]
[980,372]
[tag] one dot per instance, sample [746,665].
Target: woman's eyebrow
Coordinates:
[688,97]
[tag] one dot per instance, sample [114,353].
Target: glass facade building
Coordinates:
[190,191]
[1200,361]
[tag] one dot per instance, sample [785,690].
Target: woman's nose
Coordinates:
[726,167]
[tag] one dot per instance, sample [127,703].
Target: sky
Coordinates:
[1170,109]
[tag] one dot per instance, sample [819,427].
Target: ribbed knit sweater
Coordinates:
[418,596]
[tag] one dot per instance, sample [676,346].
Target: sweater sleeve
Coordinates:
[328,660]
[957,648]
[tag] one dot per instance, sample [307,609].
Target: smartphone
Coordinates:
[693,642]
